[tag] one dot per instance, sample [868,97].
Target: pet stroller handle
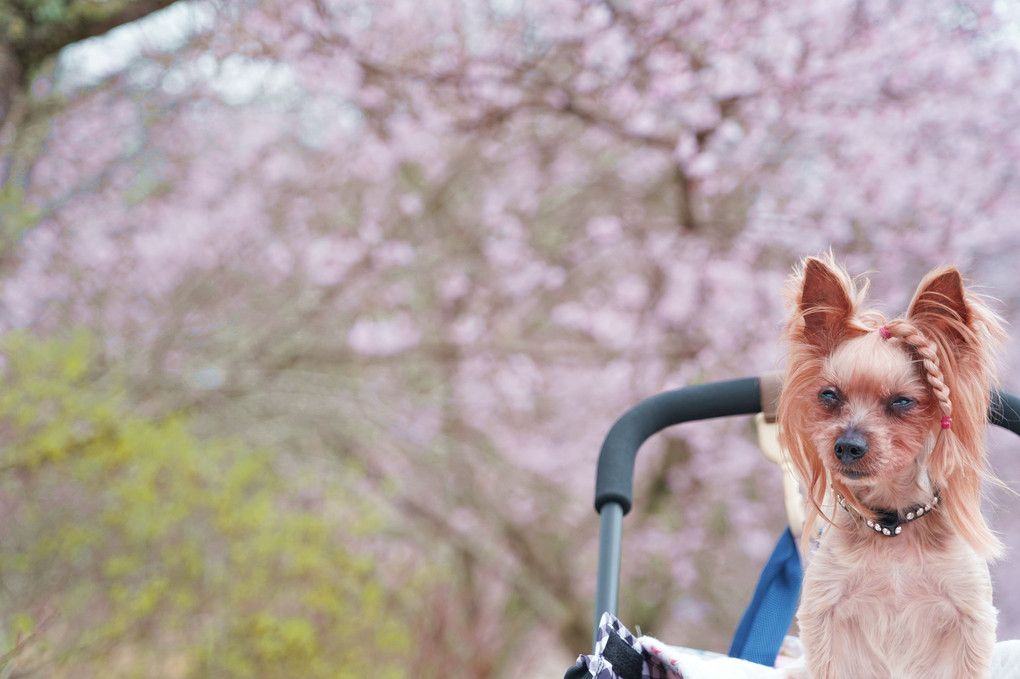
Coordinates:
[614,483]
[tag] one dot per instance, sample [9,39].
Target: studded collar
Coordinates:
[890,523]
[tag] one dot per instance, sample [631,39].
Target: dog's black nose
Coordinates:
[850,447]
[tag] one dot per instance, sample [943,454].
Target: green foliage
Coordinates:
[12,25]
[44,11]
[132,548]
[16,217]
[61,11]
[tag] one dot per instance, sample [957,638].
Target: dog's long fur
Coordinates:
[918,604]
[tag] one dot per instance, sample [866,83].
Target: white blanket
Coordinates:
[1005,662]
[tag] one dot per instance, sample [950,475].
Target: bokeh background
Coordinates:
[314,312]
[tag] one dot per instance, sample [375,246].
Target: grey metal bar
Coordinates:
[607,591]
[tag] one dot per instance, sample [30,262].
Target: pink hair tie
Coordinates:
[947,422]
[884,332]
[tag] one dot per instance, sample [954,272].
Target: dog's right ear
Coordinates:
[825,303]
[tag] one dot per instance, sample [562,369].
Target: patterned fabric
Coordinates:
[620,655]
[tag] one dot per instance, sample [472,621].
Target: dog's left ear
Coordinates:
[941,303]
[964,333]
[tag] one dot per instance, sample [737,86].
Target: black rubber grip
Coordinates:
[614,481]
[1004,410]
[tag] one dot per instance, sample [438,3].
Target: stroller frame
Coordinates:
[614,483]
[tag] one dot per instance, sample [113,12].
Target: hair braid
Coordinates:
[928,353]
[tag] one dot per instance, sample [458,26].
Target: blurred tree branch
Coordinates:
[32,31]
[38,29]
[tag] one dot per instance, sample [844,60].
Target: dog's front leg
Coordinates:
[955,651]
[837,647]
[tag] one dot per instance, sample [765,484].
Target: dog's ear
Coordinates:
[965,334]
[825,303]
[940,303]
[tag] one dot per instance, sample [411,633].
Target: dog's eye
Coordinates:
[829,397]
[902,402]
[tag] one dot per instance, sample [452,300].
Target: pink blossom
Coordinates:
[605,230]
[384,336]
[327,260]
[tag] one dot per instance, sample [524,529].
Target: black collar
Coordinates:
[890,522]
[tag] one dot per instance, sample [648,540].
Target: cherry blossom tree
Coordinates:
[441,246]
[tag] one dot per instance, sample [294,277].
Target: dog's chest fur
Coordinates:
[896,608]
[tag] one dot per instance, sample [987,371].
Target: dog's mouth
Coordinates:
[853,475]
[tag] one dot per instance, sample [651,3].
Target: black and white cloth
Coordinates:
[621,655]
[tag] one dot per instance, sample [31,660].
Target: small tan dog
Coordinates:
[884,421]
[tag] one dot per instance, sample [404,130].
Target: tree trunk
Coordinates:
[10,81]
[21,54]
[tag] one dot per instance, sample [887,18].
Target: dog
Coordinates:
[884,424]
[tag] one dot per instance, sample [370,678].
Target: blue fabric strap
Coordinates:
[767,618]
